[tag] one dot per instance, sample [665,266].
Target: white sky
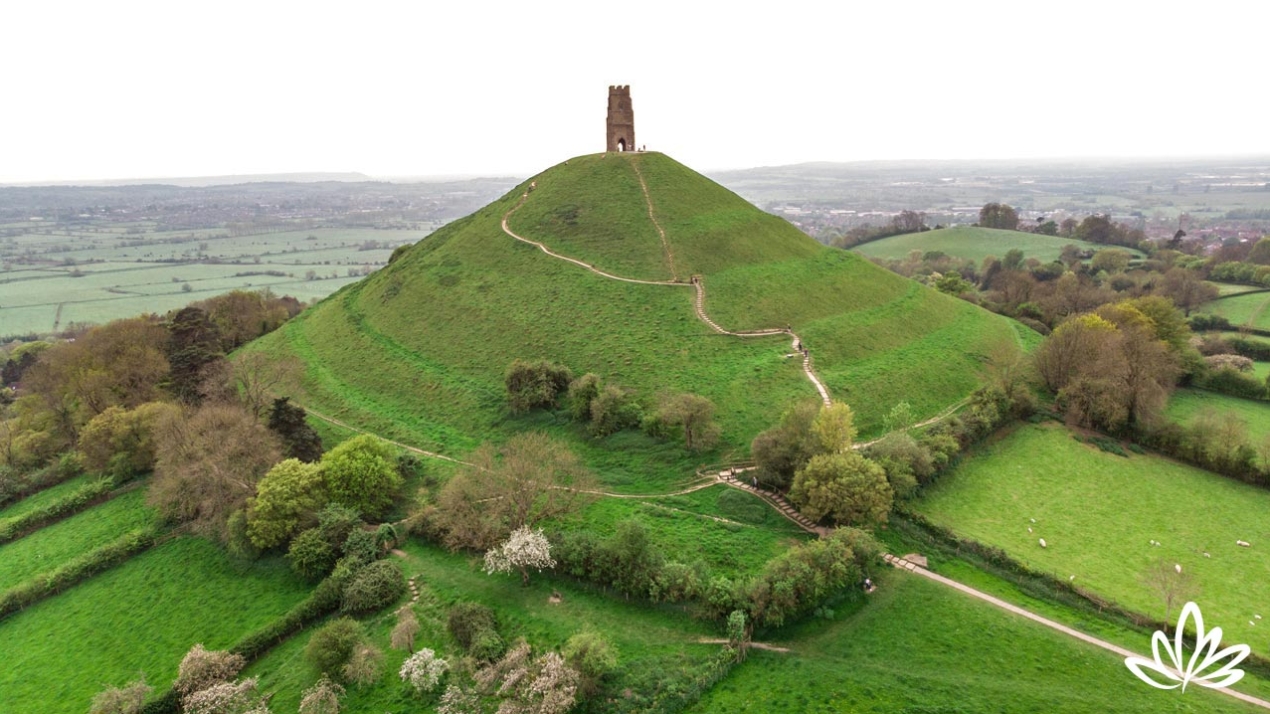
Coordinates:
[128,88]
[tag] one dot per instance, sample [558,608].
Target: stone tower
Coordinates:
[621,120]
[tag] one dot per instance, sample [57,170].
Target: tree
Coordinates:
[120,442]
[1260,253]
[998,215]
[695,414]
[783,449]
[1062,355]
[592,656]
[287,501]
[257,375]
[1111,260]
[299,440]
[523,550]
[423,670]
[226,698]
[193,344]
[544,685]
[1173,585]
[364,667]
[530,479]
[322,698]
[834,428]
[207,465]
[1186,289]
[121,363]
[847,487]
[360,474]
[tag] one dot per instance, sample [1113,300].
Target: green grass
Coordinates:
[685,528]
[140,616]
[1186,404]
[1252,310]
[921,647]
[653,642]
[58,543]
[418,351]
[1098,513]
[1233,289]
[42,498]
[973,243]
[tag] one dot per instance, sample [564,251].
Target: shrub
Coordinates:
[311,556]
[331,647]
[375,586]
[592,656]
[364,666]
[488,646]
[362,547]
[423,670]
[322,698]
[128,699]
[535,384]
[613,410]
[1234,383]
[467,620]
[237,540]
[1252,349]
[582,391]
[202,668]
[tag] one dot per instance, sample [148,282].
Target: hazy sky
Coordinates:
[130,88]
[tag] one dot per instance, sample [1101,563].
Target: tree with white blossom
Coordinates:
[523,550]
[423,670]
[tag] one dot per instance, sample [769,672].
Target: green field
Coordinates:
[973,243]
[1098,513]
[44,497]
[687,528]
[56,544]
[418,351]
[655,643]
[921,647]
[98,276]
[1186,404]
[1252,310]
[1224,289]
[140,616]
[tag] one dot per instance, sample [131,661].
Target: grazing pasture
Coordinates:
[974,243]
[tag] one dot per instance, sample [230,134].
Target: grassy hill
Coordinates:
[1250,309]
[418,350]
[973,243]
[1080,498]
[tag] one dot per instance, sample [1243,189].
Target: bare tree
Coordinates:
[530,479]
[1173,584]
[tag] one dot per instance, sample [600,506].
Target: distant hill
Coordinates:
[419,349]
[201,181]
[975,244]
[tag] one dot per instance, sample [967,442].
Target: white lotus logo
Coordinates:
[1171,674]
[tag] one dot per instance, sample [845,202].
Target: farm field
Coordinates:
[88,276]
[1252,310]
[1078,496]
[921,647]
[418,352]
[1224,289]
[655,644]
[972,243]
[1186,404]
[55,544]
[142,616]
